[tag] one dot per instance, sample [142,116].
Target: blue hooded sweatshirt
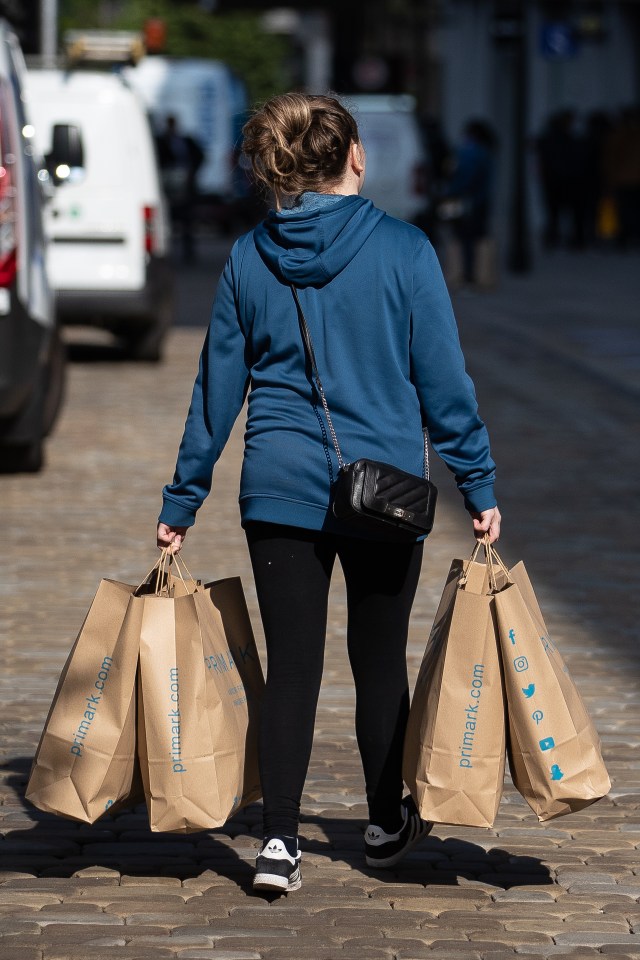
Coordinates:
[387,350]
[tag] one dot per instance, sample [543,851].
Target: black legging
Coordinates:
[292,569]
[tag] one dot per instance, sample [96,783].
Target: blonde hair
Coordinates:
[299,142]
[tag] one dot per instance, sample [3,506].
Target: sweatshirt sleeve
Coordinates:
[446,392]
[218,395]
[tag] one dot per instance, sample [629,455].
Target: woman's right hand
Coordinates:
[487,522]
[172,537]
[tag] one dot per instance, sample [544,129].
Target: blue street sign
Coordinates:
[558,41]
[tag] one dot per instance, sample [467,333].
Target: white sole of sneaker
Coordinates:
[271,881]
[397,857]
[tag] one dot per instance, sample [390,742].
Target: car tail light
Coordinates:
[150,226]
[8,198]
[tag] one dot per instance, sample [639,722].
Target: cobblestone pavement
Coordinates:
[563,435]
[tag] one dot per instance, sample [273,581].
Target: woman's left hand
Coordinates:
[171,537]
[487,522]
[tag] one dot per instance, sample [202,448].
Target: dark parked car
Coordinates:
[31,352]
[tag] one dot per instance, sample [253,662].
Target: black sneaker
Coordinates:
[276,869]
[386,849]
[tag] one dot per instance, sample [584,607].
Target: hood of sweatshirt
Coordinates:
[311,247]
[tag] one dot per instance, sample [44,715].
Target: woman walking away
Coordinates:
[386,343]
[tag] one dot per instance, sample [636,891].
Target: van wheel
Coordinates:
[22,457]
[146,347]
[22,449]
[147,344]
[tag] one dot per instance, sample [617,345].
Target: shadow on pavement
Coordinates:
[50,846]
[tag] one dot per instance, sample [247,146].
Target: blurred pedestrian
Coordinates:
[180,157]
[598,128]
[562,165]
[467,194]
[438,166]
[386,343]
[622,162]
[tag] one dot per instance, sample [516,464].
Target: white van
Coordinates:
[31,352]
[209,103]
[107,225]
[397,160]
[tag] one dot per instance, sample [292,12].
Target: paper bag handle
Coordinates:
[157,565]
[490,556]
[496,557]
[160,568]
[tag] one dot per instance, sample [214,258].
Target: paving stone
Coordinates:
[350,914]
[27,899]
[186,930]
[461,947]
[98,873]
[500,954]
[586,876]
[87,929]
[525,895]
[44,885]
[320,951]
[618,950]
[512,938]
[613,890]
[589,938]
[20,953]
[388,944]
[71,907]
[10,927]
[6,875]
[257,943]
[559,925]
[137,881]
[134,918]
[104,942]
[265,912]
[74,951]
[141,930]
[545,950]
[46,918]
[221,933]
[13,909]
[598,925]
[219,955]
[115,895]
[175,941]
[450,954]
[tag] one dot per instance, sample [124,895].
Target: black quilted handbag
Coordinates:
[369,495]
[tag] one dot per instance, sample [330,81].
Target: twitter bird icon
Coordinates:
[529,691]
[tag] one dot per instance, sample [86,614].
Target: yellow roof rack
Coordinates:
[103,46]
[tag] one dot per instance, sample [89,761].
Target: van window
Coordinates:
[65,162]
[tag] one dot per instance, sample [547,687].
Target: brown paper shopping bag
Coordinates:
[86,760]
[454,755]
[554,749]
[201,684]
[84,763]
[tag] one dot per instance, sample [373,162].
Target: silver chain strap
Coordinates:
[330,424]
[425,467]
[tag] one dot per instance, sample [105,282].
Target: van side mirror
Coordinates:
[65,162]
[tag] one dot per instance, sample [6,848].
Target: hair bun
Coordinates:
[299,142]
